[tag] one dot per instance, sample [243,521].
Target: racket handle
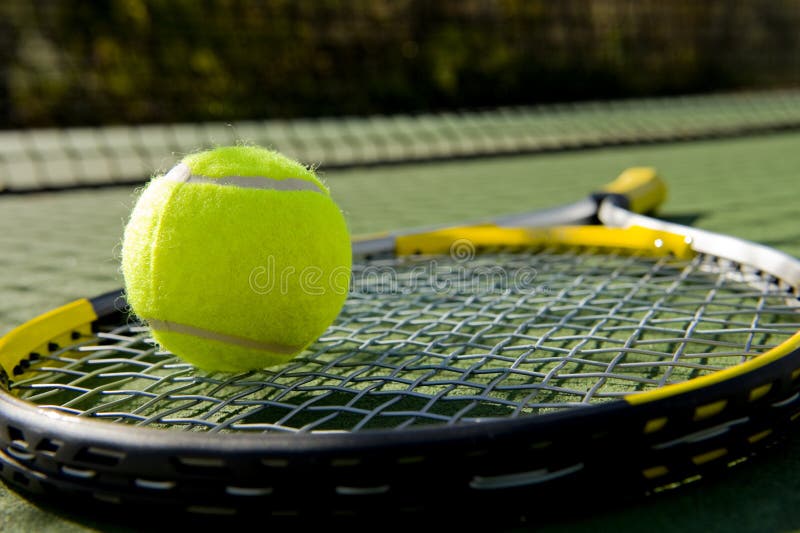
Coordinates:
[638,189]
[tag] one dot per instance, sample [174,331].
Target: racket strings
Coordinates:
[445,341]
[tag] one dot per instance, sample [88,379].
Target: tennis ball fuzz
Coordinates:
[237,258]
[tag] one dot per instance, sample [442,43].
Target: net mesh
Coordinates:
[447,340]
[38,159]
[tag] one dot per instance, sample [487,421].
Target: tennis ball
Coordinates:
[237,258]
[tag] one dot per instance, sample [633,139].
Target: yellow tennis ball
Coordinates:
[237,258]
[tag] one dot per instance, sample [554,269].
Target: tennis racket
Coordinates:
[523,357]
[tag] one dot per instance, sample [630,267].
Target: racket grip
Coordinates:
[638,189]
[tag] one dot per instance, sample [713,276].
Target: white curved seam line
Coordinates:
[182,173]
[244,342]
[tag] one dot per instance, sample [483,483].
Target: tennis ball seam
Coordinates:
[249,160]
[182,173]
[244,342]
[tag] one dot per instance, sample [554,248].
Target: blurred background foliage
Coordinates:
[144,61]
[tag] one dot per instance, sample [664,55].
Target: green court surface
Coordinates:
[64,245]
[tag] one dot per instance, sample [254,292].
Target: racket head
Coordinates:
[504,438]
